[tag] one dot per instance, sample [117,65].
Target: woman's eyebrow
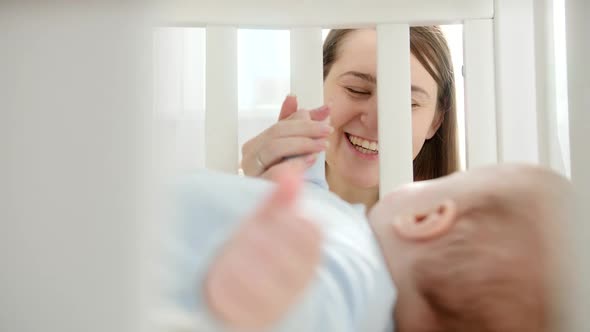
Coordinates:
[420,90]
[364,76]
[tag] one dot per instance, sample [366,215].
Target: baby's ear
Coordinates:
[431,224]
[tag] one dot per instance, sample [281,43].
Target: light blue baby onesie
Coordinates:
[352,290]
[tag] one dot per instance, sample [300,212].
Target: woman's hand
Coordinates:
[300,133]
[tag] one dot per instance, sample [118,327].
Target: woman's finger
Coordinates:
[321,113]
[301,128]
[289,107]
[277,150]
[261,153]
[317,114]
[256,158]
[250,163]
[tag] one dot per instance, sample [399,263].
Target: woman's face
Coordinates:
[351,87]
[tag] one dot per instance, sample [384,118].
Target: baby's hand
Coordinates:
[267,264]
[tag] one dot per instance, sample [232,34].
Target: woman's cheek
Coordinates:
[417,143]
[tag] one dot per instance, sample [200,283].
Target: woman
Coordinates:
[350,87]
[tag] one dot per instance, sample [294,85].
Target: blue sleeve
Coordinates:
[316,174]
[353,290]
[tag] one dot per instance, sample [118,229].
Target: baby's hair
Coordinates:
[469,287]
[491,271]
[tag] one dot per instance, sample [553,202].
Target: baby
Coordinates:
[239,241]
[474,251]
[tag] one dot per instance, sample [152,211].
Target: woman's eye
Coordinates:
[415,105]
[358,92]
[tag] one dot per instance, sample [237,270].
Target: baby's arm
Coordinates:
[350,290]
[265,267]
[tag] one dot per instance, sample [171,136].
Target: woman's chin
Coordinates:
[362,181]
[355,175]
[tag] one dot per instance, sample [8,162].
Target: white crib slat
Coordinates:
[578,53]
[75,111]
[394,104]
[480,107]
[549,85]
[514,37]
[306,66]
[221,117]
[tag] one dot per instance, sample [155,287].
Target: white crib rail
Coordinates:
[315,13]
[306,67]
[394,106]
[221,118]
[515,81]
[578,53]
[480,98]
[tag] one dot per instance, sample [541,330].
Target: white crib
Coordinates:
[81,77]
[511,88]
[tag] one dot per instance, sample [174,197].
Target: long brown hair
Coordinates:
[439,155]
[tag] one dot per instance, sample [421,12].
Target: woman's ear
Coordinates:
[439,117]
[432,224]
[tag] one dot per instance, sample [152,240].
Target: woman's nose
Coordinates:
[369,118]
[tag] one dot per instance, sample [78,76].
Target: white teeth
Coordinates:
[360,142]
[365,151]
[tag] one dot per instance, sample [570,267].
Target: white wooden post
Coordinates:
[480,106]
[395,106]
[306,66]
[578,53]
[221,117]
[550,154]
[75,101]
[515,81]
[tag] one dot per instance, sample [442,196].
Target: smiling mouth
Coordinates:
[362,145]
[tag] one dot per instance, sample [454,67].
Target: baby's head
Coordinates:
[474,251]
